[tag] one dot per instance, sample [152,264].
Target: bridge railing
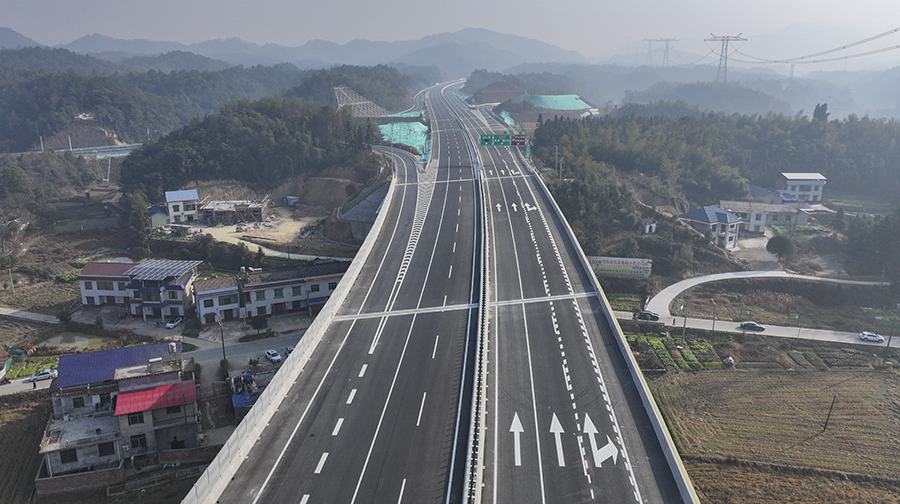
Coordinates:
[682,480]
[212,483]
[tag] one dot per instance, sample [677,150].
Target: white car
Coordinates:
[175,322]
[273,356]
[46,374]
[870,336]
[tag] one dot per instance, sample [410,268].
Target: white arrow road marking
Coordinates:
[517,430]
[498,207]
[601,455]
[557,430]
[515,207]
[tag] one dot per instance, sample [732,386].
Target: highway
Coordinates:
[421,388]
[563,421]
[377,413]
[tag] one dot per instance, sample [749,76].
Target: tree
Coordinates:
[782,246]
[838,223]
[821,112]
[259,322]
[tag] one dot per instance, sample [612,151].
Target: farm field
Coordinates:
[22,420]
[756,435]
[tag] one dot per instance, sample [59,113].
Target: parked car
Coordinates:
[273,356]
[752,326]
[46,374]
[175,322]
[648,315]
[870,336]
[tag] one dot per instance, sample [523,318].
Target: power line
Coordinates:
[825,60]
[801,59]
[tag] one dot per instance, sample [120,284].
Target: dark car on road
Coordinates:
[648,315]
[752,326]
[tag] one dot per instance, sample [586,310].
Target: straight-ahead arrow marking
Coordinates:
[557,430]
[515,207]
[517,430]
[603,454]
[498,207]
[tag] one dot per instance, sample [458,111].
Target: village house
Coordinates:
[722,225]
[256,293]
[114,406]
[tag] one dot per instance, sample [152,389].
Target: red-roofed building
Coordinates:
[103,283]
[116,408]
[159,418]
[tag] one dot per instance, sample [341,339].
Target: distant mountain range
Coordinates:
[456,54]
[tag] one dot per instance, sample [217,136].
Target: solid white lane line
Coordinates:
[402,488]
[337,427]
[352,395]
[421,407]
[362,371]
[321,463]
[434,351]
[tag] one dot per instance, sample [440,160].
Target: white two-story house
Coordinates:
[183,206]
[723,225]
[104,283]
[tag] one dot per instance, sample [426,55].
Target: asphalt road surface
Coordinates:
[376,414]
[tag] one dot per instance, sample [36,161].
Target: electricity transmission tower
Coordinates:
[650,42]
[723,55]
[649,50]
[666,49]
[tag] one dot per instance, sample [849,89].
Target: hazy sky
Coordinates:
[591,27]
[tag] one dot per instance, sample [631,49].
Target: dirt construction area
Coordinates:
[298,230]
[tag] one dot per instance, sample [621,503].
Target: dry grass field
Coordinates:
[756,435]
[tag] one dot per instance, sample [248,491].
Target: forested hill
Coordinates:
[711,156]
[41,104]
[43,90]
[262,143]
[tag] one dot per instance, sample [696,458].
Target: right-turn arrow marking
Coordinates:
[601,454]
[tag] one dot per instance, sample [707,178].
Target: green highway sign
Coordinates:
[495,140]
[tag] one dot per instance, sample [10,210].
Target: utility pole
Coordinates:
[723,54]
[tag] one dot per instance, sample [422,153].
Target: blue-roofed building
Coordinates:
[158,215]
[112,406]
[722,224]
[183,206]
